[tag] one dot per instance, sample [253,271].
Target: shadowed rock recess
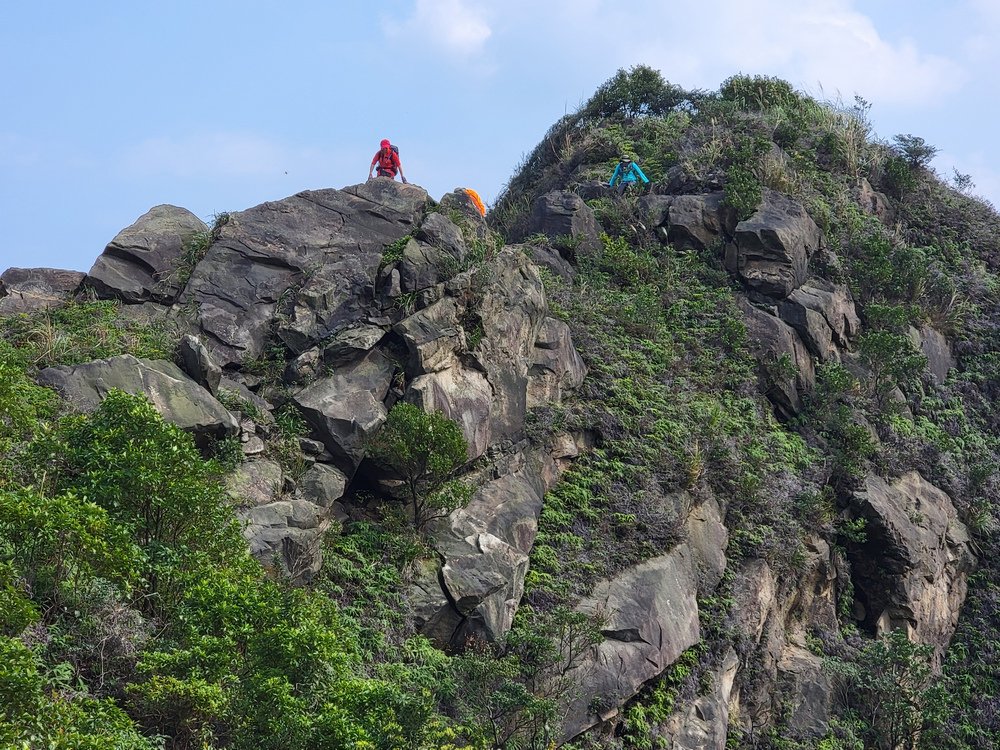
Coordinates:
[775,449]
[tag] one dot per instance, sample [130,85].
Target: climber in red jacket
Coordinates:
[387,159]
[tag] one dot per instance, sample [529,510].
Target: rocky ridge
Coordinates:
[452,323]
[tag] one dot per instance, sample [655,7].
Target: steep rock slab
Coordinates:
[784,366]
[562,214]
[771,250]
[464,396]
[432,336]
[650,616]
[934,345]
[346,406]
[708,538]
[912,571]
[24,290]
[809,690]
[485,390]
[556,366]
[705,723]
[198,363]
[511,307]
[141,262]
[824,315]
[317,251]
[484,547]
[176,397]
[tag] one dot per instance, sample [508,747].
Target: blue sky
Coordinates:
[110,108]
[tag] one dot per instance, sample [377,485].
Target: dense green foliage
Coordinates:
[124,572]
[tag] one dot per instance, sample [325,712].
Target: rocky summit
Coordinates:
[705,464]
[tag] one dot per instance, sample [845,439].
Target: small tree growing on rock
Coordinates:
[424,450]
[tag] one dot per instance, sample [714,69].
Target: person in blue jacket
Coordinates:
[627,173]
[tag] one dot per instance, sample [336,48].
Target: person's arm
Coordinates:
[638,169]
[611,182]
[371,169]
[399,166]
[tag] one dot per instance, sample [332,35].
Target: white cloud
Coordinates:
[812,43]
[221,154]
[453,26]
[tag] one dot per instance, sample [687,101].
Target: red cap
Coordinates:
[385,143]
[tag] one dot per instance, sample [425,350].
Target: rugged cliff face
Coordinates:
[720,445]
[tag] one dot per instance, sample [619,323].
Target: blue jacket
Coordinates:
[630,175]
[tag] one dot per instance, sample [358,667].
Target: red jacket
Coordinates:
[387,159]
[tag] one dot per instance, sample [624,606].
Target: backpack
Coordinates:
[385,161]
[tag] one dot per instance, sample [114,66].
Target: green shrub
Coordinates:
[631,93]
[424,451]
[39,708]
[149,478]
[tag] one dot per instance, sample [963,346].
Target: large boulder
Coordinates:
[317,253]
[562,214]
[141,262]
[285,531]
[699,220]
[175,396]
[784,366]
[824,315]
[432,336]
[649,617]
[25,290]
[913,568]
[771,250]
[347,405]
[198,363]
[475,589]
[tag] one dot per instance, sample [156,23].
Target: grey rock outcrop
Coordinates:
[179,399]
[785,368]
[912,571]
[649,617]
[285,530]
[316,253]
[475,590]
[704,725]
[485,390]
[562,214]
[699,220]
[824,315]
[141,262]
[556,366]
[346,406]
[933,345]
[198,363]
[771,249]
[25,290]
